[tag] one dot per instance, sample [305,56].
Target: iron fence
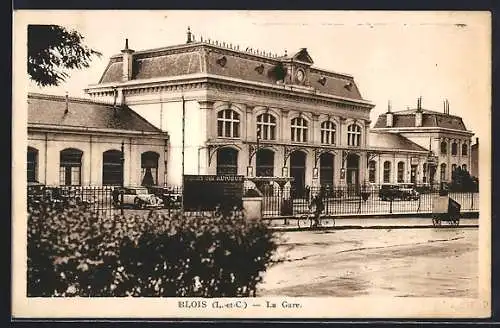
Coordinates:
[276,202]
[97,199]
[371,199]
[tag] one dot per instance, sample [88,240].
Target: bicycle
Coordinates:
[307,220]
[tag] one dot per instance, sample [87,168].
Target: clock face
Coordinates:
[300,75]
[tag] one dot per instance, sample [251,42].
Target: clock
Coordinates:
[300,75]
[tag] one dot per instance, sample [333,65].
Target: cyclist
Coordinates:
[319,206]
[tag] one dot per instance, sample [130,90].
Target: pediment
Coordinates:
[303,56]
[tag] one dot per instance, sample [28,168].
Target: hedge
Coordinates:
[75,252]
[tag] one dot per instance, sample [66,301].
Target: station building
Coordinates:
[443,135]
[253,113]
[74,141]
[209,107]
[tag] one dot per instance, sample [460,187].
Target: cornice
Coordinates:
[210,82]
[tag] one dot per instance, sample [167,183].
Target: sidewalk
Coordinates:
[290,224]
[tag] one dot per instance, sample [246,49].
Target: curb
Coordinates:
[291,229]
[464,215]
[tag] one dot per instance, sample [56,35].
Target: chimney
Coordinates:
[446,105]
[418,113]
[66,110]
[388,116]
[127,62]
[189,36]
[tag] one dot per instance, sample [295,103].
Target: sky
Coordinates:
[396,56]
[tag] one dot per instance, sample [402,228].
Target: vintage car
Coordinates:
[137,197]
[408,192]
[171,197]
[398,191]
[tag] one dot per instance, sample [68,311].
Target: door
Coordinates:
[326,169]
[352,173]
[298,173]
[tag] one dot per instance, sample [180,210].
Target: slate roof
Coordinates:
[50,110]
[392,141]
[189,59]
[406,119]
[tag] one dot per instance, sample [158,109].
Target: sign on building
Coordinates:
[207,192]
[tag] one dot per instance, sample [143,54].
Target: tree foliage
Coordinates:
[76,252]
[53,50]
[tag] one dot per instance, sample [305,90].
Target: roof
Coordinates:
[50,110]
[392,141]
[204,57]
[406,119]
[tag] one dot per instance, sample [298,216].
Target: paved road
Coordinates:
[384,262]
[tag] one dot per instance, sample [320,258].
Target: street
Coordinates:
[431,262]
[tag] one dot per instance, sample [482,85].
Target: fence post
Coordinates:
[390,206]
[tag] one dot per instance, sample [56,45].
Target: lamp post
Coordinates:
[122,161]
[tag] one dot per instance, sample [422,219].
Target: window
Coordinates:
[387,171]
[149,168]
[401,172]
[228,124]
[453,167]
[464,167]
[328,133]
[424,173]
[265,163]
[454,150]
[443,147]
[443,172]
[112,169]
[266,124]
[70,167]
[32,164]
[299,130]
[227,161]
[371,171]
[353,135]
[464,149]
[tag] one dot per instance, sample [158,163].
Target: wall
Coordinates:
[93,147]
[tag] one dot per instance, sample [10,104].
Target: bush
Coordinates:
[78,253]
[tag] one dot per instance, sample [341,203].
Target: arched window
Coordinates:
[353,135]
[401,172]
[444,147]
[32,164]
[387,172]
[70,167]
[328,133]
[443,172]
[464,149]
[464,167]
[228,124]
[372,171]
[264,163]
[454,149]
[453,167]
[299,129]
[266,126]
[112,169]
[149,168]
[227,161]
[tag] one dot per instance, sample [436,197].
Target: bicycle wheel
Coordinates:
[304,221]
[328,222]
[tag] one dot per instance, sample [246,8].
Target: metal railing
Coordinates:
[97,199]
[276,202]
[349,200]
